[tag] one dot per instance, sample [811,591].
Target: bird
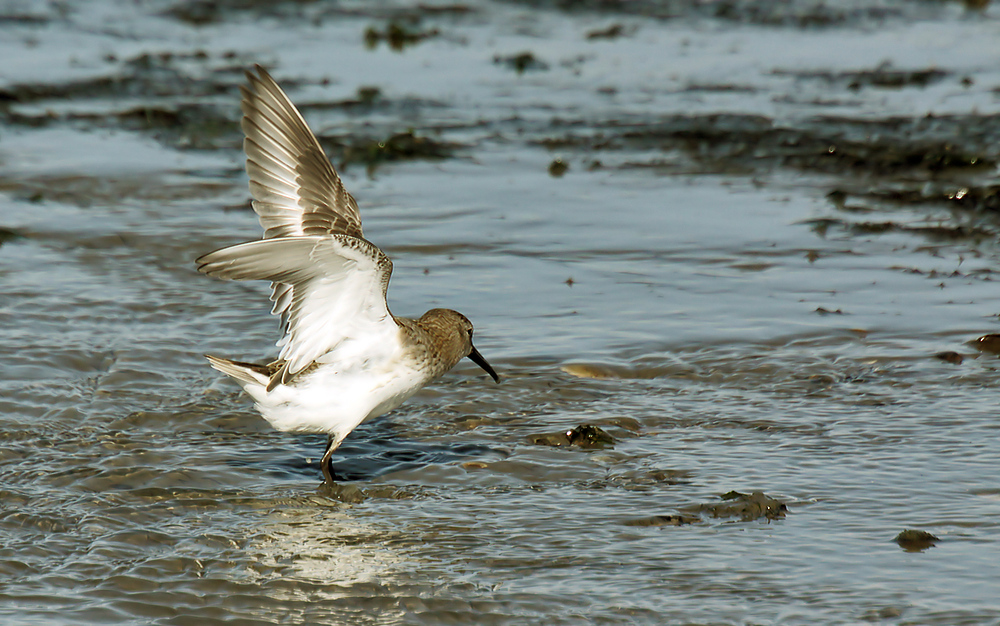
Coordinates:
[344,357]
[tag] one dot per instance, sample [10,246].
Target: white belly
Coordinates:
[335,402]
[360,379]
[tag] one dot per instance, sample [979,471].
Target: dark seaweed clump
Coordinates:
[734,144]
[521,62]
[398,36]
[402,146]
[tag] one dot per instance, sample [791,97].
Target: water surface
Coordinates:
[754,243]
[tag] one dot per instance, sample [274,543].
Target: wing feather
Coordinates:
[331,288]
[285,160]
[328,283]
[294,187]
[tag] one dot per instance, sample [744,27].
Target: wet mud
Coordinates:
[747,144]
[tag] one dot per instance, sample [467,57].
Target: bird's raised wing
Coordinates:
[295,189]
[337,291]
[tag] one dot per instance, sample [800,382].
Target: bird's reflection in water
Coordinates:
[319,549]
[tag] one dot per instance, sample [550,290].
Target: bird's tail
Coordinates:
[249,373]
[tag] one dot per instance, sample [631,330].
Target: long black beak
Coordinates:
[481,362]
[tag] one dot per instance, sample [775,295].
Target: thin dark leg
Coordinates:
[331,445]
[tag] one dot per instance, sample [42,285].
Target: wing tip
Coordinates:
[261,73]
[210,265]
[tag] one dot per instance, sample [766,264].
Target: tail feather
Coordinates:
[279,376]
[250,373]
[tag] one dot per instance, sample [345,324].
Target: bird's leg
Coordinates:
[331,445]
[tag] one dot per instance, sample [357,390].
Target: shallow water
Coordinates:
[765,269]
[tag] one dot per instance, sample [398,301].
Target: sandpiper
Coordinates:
[344,357]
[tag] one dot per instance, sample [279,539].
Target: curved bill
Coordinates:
[481,362]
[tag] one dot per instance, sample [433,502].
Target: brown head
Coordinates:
[452,335]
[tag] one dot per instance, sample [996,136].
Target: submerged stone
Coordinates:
[584,436]
[915,540]
[950,357]
[589,436]
[747,507]
[988,343]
